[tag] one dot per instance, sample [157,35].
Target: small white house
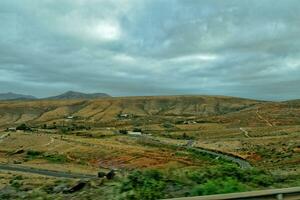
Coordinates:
[189,122]
[12,129]
[124,115]
[134,133]
[70,117]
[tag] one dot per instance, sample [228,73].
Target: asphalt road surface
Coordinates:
[18,168]
[242,163]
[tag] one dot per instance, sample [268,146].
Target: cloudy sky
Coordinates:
[247,48]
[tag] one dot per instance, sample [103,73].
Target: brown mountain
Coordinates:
[79,95]
[232,111]
[106,110]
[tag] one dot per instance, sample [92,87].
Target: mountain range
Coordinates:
[13,96]
[210,110]
[66,95]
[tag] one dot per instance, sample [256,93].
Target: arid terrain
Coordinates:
[138,134]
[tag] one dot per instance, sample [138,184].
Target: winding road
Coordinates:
[244,164]
[241,162]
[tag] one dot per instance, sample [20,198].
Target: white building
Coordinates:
[134,133]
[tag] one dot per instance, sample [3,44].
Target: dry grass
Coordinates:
[87,155]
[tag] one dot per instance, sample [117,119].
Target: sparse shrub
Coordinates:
[54,126]
[219,186]
[253,177]
[124,132]
[177,136]
[101,174]
[17,184]
[145,185]
[81,127]
[263,180]
[184,135]
[19,177]
[56,158]
[37,194]
[23,127]
[137,130]
[168,125]
[179,122]
[64,130]
[32,153]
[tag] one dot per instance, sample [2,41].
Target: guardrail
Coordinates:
[274,194]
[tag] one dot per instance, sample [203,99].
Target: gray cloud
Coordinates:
[246,48]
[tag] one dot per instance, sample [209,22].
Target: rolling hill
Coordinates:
[79,95]
[214,109]
[107,109]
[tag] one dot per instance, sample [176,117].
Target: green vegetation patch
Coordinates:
[148,184]
[225,178]
[53,158]
[153,184]
[219,186]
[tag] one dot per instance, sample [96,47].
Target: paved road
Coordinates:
[242,163]
[18,168]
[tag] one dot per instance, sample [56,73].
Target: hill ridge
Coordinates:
[78,95]
[15,96]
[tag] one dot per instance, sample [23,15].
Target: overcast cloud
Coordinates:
[247,48]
